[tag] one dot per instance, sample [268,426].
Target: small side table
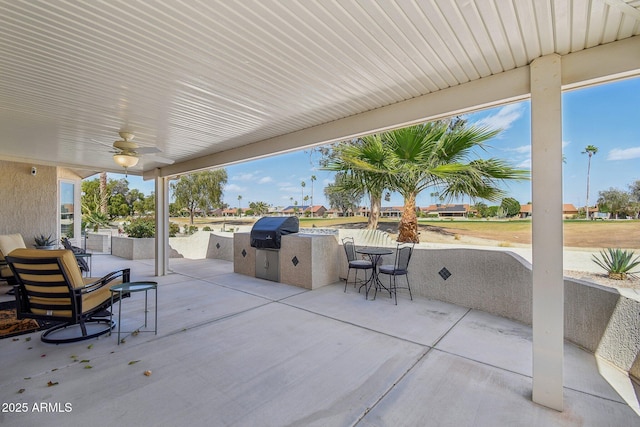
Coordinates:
[131,287]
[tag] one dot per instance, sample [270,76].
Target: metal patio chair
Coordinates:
[399,268]
[355,263]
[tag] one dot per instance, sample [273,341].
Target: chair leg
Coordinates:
[363,283]
[408,286]
[346,281]
[395,290]
[83,327]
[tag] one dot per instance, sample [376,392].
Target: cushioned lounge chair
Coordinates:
[50,287]
[9,242]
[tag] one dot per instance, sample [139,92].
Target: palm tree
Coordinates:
[302,184]
[259,208]
[366,167]
[438,154]
[590,150]
[313,178]
[239,205]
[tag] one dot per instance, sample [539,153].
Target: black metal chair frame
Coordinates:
[82,263]
[355,263]
[78,318]
[400,267]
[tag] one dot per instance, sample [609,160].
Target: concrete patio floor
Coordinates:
[233,350]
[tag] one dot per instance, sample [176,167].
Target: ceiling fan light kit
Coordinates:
[125,160]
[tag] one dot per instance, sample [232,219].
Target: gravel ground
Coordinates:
[604,280]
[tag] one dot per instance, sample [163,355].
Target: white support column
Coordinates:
[162,224]
[548,283]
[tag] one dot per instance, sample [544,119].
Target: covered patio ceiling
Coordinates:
[212,83]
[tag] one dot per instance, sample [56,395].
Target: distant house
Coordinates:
[447,211]
[363,211]
[337,213]
[391,211]
[314,211]
[525,211]
[230,212]
[568,211]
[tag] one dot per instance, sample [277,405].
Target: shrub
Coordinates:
[173,229]
[141,227]
[190,229]
[618,263]
[206,228]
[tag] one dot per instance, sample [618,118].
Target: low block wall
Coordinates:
[98,242]
[600,319]
[131,248]
[203,244]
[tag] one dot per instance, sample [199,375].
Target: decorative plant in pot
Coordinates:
[44,242]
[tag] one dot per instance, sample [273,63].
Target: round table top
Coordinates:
[374,251]
[134,286]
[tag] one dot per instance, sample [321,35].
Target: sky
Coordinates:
[606,116]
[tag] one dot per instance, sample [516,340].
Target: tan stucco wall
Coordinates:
[29,204]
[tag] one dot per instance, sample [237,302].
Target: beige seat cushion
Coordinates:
[9,242]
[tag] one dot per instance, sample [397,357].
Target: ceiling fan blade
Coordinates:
[95,141]
[147,150]
[159,159]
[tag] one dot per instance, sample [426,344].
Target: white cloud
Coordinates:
[503,118]
[525,164]
[624,153]
[523,149]
[234,188]
[248,176]
[265,180]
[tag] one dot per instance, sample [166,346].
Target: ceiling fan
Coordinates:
[127,153]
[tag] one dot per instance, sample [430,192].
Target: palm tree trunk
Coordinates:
[104,199]
[408,227]
[588,177]
[374,215]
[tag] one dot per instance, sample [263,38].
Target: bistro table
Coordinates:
[374,255]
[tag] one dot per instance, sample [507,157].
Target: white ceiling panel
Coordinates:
[195,78]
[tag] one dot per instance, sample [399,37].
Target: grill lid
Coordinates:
[268,231]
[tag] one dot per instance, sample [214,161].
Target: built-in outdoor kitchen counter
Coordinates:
[305,260]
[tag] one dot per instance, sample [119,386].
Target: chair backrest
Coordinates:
[46,279]
[349,248]
[403,256]
[9,242]
[67,245]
